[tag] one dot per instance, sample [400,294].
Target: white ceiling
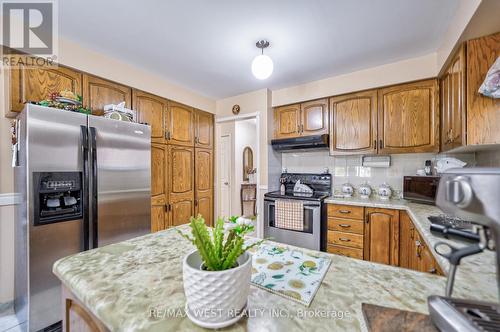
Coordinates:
[208,45]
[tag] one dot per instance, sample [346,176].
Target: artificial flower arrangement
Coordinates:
[220,250]
[66,100]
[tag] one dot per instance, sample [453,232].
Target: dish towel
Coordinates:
[289,214]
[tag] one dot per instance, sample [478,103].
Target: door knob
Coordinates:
[459,192]
[226,183]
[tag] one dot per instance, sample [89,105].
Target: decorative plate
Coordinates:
[236,109]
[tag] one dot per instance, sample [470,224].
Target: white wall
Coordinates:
[245,135]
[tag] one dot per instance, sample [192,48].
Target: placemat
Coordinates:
[288,272]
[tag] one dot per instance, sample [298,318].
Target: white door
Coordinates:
[225,176]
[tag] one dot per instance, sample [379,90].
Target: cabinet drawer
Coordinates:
[345,239]
[346,211]
[346,225]
[345,251]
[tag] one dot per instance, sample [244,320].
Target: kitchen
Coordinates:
[369,143]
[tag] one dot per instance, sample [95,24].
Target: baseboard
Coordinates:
[6,307]
[9,199]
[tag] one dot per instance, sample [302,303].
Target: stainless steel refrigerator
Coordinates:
[84,182]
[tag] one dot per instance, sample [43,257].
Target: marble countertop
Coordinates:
[475,273]
[136,285]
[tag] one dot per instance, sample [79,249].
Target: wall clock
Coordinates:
[236,109]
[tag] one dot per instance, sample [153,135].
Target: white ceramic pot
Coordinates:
[384,191]
[365,190]
[214,299]
[347,189]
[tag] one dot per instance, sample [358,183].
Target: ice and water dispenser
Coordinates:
[58,196]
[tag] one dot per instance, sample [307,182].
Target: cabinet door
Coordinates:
[180,124]
[407,250]
[382,236]
[314,117]
[181,184]
[152,110]
[159,193]
[407,118]
[452,86]
[353,124]
[36,83]
[424,261]
[98,92]
[204,129]
[204,190]
[287,121]
[483,113]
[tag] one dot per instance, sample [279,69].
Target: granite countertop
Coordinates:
[136,285]
[475,273]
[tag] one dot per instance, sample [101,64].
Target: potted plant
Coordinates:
[217,275]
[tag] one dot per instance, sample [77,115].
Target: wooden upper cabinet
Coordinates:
[382,236]
[152,110]
[287,121]
[204,188]
[204,129]
[98,92]
[159,187]
[314,117]
[452,89]
[36,83]
[483,113]
[408,118]
[353,123]
[181,184]
[180,124]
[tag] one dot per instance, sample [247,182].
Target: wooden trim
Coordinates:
[84,320]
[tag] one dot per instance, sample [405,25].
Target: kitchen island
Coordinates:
[136,285]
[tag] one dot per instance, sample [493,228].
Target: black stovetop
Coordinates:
[315,196]
[321,185]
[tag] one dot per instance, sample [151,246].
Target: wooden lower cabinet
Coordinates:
[345,251]
[76,317]
[159,189]
[204,188]
[382,236]
[181,184]
[414,252]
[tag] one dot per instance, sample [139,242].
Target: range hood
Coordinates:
[301,143]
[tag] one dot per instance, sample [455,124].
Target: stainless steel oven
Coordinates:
[309,238]
[313,235]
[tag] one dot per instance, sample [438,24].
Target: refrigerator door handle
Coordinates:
[93,180]
[85,184]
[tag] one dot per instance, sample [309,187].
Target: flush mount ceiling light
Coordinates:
[262,65]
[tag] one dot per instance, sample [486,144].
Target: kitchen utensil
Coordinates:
[428,167]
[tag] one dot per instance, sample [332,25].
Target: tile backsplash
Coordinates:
[348,168]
